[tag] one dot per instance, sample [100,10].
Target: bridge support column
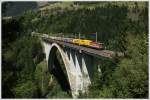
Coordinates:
[46,50]
[86,78]
[79,79]
[79,61]
[73,59]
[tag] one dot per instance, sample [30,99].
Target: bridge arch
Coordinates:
[51,60]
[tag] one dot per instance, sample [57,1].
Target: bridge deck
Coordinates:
[103,53]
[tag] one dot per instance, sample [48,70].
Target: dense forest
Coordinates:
[121,26]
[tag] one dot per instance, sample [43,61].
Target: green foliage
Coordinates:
[130,78]
[42,78]
[27,50]
[56,92]
[25,90]
[9,55]
[101,80]
[11,29]
[18,71]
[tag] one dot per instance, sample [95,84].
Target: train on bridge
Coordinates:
[87,47]
[82,42]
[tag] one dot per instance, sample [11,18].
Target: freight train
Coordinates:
[82,42]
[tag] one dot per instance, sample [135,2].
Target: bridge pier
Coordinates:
[86,77]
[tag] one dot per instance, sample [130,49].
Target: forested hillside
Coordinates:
[121,26]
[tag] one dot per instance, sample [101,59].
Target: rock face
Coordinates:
[41,3]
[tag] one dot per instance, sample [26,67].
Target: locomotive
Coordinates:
[88,43]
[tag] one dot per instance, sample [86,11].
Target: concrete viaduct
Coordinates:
[78,61]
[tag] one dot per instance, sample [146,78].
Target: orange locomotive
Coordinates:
[88,43]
